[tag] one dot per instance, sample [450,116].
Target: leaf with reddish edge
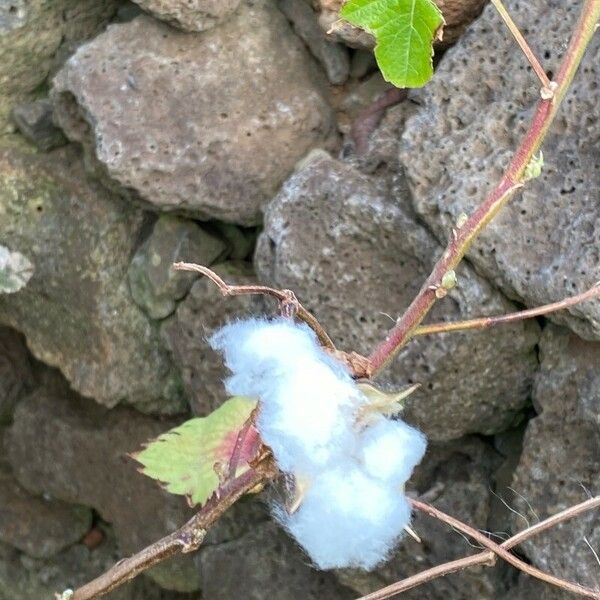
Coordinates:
[193,459]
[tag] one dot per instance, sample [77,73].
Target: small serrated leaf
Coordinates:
[405,31]
[191,459]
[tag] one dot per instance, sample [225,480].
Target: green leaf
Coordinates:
[192,459]
[404,31]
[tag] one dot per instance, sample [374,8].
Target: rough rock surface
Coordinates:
[191,15]
[350,248]
[559,466]
[38,526]
[545,244]
[265,564]
[334,57]
[81,457]
[202,312]
[34,121]
[244,103]
[155,285]
[31,33]
[456,478]
[16,376]
[76,312]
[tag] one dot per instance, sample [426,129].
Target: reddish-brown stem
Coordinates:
[486,322]
[512,179]
[286,298]
[483,558]
[547,87]
[186,539]
[504,554]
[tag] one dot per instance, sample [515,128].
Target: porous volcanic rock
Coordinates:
[32,33]
[191,15]
[207,124]
[350,247]
[560,466]
[545,245]
[76,311]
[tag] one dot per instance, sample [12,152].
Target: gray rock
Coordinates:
[203,124]
[191,15]
[31,33]
[202,312]
[455,477]
[334,57]
[545,245]
[155,285]
[81,457]
[265,564]
[362,64]
[38,526]
[350,248]
[527,588]
[76,311]
[34,121]
[559,465]
[16,376]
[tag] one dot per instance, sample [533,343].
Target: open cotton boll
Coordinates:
[246,344]
[391,450]
[253,351]
[307,418]
[348,519]
[307,398]
[353,510]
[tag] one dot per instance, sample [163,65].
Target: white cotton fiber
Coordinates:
[353,510]
[348,519]
[307,417]
[391,450]
[307,399]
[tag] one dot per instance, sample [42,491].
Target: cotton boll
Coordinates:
[307,398]
[353,509]
[252,360]
[307,418]
[253,342]
[391,450]
[348,519]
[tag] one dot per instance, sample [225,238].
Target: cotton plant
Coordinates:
[335,439]
[349,475]
[344,456]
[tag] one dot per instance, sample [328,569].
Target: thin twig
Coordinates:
[186,539]
[547,86]
[483,558]
[486,322]
[512,179]
[286,298]
[575,588]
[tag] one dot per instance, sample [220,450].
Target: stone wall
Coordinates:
[223,133]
